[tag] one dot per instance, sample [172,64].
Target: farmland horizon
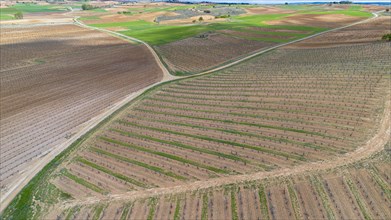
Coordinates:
[169,110]
[382,2]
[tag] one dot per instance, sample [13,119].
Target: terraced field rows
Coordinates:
[249,118]
[347,193]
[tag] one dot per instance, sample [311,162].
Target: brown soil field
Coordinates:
[197,54]
[357,191]
[327,21]
[371,31]
[56,78]
[249,118]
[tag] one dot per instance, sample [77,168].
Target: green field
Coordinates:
[8,13]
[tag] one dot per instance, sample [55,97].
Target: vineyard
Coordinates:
[54,79]
[358,34]
[249,118]
[359,191]
[297,131]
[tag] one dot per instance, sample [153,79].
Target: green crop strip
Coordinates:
[126,211]
[382,183]
[98,210]
[204,211]
[358,198]
[82,182]
[169,156]
[263,202]
[323,195]
[177,209]
[206,138]
[178,144]
[72,212]
[294,201]
[138,163]
[110,172]
[152,208]
[234,211]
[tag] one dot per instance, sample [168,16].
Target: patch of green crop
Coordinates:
[98,211]
[204,210]
[4,17]
[152,208]
[72,212]
[126,211]
[323,196]
[263,202]
[177,209]
[294,201]
[234,210]
[358,198]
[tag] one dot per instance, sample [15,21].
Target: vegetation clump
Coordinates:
[18,15]
[387,37]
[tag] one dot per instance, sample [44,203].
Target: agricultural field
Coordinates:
[273,114]
[357,191]
[195,111]
[54,79]
[194,38]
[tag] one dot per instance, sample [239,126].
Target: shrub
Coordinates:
[387,37]
[87,7]
[18,15]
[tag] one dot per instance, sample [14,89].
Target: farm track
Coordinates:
[374,145]
[360,153]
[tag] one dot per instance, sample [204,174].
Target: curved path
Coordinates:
[7,197]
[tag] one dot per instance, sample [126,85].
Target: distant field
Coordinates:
[258,27]
[8,13]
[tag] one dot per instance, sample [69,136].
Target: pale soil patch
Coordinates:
[314,20]
[150,17]
[268,10]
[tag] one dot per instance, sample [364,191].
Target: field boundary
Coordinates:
[7,197]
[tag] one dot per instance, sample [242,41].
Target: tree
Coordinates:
[200,19]
[87,7]
[18,15]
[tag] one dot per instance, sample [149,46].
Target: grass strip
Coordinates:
[169,156]
[294,201]
[202,137]
[138,163]
[110,172]
[358,198]
[204,211]
[177,209]
[323,195]
[126,211]
[98,210]
[263,202]
[152,208]
[234,210]
[83,182]
[178,144]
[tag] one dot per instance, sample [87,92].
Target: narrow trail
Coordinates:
[372,146]
[25,177]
